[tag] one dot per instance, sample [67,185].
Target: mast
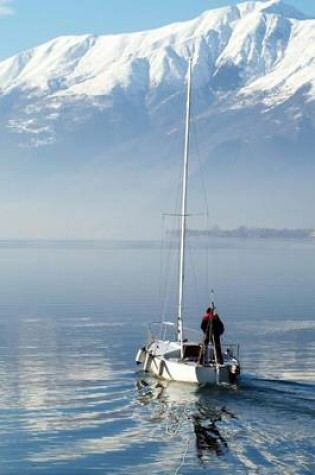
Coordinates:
[183,214]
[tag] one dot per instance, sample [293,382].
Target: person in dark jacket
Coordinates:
[212,328]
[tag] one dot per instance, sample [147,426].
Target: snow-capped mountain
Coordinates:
[253,53]
[121,96]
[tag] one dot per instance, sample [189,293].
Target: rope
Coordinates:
[183,457]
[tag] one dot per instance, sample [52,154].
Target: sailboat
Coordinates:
[169,352]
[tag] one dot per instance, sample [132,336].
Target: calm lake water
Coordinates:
[72,401]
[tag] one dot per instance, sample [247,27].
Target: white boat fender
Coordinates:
[234,369]
[147,362]
[140,355]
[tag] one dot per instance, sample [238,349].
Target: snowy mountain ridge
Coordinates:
[254,36]
[91,127]
[243,55]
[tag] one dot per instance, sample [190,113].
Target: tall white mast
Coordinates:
[184,214]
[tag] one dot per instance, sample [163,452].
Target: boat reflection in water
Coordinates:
[189,413]
[208,438]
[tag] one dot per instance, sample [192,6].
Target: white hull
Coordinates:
[188,372]
[163,360]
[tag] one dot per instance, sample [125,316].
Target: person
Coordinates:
[212,328]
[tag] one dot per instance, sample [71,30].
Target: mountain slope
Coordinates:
[252,50]
[114,104]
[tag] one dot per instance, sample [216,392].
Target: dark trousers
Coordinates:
[215,340]
[217,349]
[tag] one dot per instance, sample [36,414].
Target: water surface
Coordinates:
[72,400]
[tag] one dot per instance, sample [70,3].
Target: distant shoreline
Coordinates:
[198,236]
[256,233]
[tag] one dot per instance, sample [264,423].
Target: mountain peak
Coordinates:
[243,54]
[278,7]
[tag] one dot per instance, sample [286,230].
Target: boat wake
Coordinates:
[259,425]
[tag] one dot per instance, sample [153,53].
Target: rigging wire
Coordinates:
[162,253]
[193,272]
[169,248]
[176,226]
[203,187]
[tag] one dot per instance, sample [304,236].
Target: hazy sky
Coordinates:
[27,23]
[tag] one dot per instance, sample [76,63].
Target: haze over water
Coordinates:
[72,401]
